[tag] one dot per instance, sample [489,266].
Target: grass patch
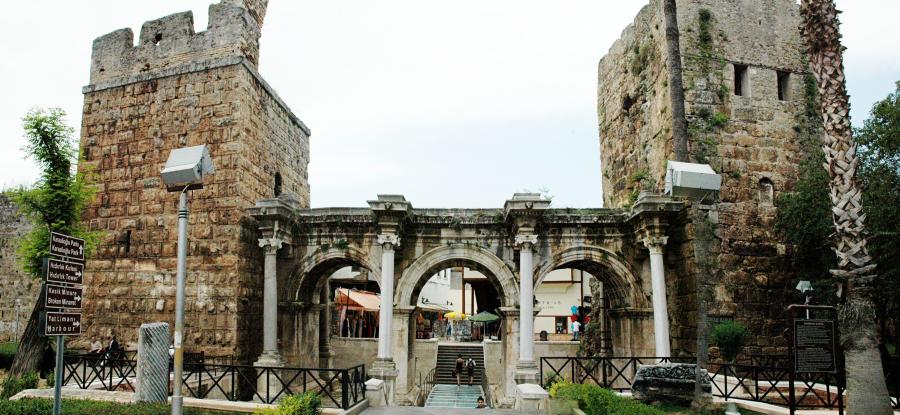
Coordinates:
[81,407]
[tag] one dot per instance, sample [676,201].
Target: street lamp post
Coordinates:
[184,170]
[18,310]
[806,289]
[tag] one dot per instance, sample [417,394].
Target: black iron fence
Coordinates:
[340,388]
[774,383]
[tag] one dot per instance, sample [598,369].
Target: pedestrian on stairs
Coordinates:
[459,368]
[470,368]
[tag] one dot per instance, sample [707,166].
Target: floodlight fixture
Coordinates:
[186,168]
[804,287]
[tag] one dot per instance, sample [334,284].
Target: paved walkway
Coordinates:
[415,410]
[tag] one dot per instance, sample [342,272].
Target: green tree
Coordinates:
[879,171]
[54,204]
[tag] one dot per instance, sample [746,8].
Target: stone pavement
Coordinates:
[415,410]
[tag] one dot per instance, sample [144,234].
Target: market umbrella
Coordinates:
[455,316]
[484,317]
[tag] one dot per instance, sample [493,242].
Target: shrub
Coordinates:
[595,400]
[35,406]
[13,385]
[7,354]
[302,404]
[729,337]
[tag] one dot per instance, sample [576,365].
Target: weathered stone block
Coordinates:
[668,382]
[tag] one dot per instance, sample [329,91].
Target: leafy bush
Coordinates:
[7,354]
[301,404]
[729,337]
[595,400]
[13,385]
[35,406]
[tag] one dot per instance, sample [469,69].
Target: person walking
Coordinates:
[576,329]
[459,368]
[470,369]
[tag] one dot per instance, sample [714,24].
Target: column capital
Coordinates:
[270,245]
[389,241]
[655,244]
[526,241]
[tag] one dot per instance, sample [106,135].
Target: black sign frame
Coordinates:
[73,328]
[66,246]
[70,272]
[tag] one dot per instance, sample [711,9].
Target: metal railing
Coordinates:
[775,383]
[425,386]
[614,373]
[341,388]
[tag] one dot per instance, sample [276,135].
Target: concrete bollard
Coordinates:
[153,363]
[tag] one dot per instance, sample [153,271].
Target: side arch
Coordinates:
[602,263]
[417,274]
[311,273]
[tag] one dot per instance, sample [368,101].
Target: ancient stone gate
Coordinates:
[515,247]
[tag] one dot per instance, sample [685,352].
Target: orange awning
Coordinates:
[352,298]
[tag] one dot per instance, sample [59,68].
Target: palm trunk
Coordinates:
[676,87]
[31,346]
[867,391]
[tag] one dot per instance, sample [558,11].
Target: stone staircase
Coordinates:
[446,362]
[452,396]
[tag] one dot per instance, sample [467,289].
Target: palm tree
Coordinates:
[856,270]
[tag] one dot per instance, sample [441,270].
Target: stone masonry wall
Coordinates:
[751,140]
[193,92]
[16,284]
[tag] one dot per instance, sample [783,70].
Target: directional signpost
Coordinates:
[64,294]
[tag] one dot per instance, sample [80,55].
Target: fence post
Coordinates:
[345,387]
[791,395]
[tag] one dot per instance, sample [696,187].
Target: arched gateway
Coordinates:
[515,247]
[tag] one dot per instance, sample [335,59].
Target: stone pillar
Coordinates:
[510,340]
[384,367]
[326,359]
[403,347]
[268,384]
[270,355]
[655,245]
[153,363]
[526,367]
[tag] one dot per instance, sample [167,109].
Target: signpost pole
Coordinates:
[57,386]
[177,399]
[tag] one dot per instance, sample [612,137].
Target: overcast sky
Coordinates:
[453,104]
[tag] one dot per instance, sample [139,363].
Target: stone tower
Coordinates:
[745,103]
[179,88]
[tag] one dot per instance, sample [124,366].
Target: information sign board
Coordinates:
[814,346]
[60,296]
[66,246]
[59,271]
[63,324]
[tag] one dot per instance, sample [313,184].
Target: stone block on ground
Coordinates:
[668,382]
[153,363]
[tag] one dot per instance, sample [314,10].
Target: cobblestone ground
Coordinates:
[415,410]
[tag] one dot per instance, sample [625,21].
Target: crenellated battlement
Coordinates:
[233,31]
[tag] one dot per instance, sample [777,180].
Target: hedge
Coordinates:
[36,406]
[7,354]
[303,404]
[594,400]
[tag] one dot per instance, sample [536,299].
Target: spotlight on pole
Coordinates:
[806,289]
[184,170]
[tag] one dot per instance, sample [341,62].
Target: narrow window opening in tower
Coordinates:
[741,81]
[277,184]
[627,103]
[157,38]
[784,85]
[766,192]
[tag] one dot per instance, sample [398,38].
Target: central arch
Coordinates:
[602,263]
[416,275]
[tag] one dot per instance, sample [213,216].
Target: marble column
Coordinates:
[656,244]
[270,355]
[526,367]
[325,355]
[384,367]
